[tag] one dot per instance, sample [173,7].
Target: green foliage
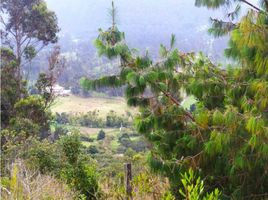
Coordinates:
[220,28]
[26,126]
[193,188]
[43,156]
[92,149]
[90,119]
[76,171]
[29,52]
[9,86]
[67,161]
[228,126]
[33,109]
[101,135]
[30,20]
[113,120]
[71,147]
[31,121]
[62,118]
[212,3]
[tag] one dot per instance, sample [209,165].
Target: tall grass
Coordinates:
[28,184]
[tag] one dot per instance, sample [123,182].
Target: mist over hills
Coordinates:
[146,23]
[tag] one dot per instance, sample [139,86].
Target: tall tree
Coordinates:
[9,86]
[46,81]
[28,26]
[225,139]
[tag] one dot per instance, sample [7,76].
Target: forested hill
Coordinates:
[147,23]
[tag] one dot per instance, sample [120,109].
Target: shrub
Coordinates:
[101,135]
[60,131]
[92,149]
[91,119]
[112,120]
[25,125]
[44,157]
[193,188]
[124,140]
[71,147]
[76,171]
[34,109]
[139,145]
[86,139]
[129,153]
[62,118]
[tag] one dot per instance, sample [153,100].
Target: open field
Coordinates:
[75,104]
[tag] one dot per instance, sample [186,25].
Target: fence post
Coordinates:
[128,179]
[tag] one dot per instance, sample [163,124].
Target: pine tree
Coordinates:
[225,139]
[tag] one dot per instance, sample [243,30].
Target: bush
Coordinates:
[86,139]
[92,149]
[112,120]
[60,131]
[129,153]
[25,125]
[43,156]
[62,118]
[124,140]
[71,148]
[34,109]
[91,119]
[139,145]
[193,188]
[121,149]
[101,135]
[76,171]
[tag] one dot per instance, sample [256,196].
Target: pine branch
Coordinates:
[266,4]
[251,5]
[175,101]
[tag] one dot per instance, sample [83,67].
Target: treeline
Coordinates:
[92,119]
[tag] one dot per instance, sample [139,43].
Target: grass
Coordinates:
[114,144]
[76,104]
[93,132]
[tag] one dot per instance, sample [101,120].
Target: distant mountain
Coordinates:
[147,23]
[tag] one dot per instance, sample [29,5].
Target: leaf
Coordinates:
[132,78]
[162,86]
[218,118]
[172,41]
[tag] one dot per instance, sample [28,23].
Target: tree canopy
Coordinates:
[27,26]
